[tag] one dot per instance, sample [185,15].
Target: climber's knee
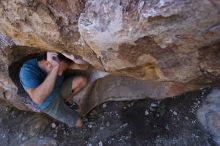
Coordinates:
[78,83]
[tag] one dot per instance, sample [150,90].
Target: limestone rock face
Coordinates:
[173,41]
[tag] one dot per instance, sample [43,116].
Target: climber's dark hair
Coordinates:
[42,56]
[61,57]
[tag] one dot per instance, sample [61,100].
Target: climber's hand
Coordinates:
[52,58]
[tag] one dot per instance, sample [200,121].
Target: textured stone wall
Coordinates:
[175,41]
[209,115]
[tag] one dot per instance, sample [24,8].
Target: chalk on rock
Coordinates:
[104,105]
[107,124]
[53,125]
[153,105]
[146,112]
[90,126]
[24,138]
[97,75]
[175,113]
[100,143]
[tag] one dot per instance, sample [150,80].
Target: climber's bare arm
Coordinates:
[78,62]
[40,93]
[79,66]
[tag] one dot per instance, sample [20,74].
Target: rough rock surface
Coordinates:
[209,115]
[170,122]
[165,41]
[114,88]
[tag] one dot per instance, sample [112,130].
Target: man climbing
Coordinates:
[42,78]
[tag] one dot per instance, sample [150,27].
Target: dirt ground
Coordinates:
[135,123]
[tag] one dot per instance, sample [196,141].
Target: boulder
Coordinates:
[209,114]
[171,43]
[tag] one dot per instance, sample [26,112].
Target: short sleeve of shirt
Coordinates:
[28,78]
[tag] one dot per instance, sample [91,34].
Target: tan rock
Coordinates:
[171,43]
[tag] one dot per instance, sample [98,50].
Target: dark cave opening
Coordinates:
[14,70]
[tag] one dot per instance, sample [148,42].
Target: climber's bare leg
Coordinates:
[78,83]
